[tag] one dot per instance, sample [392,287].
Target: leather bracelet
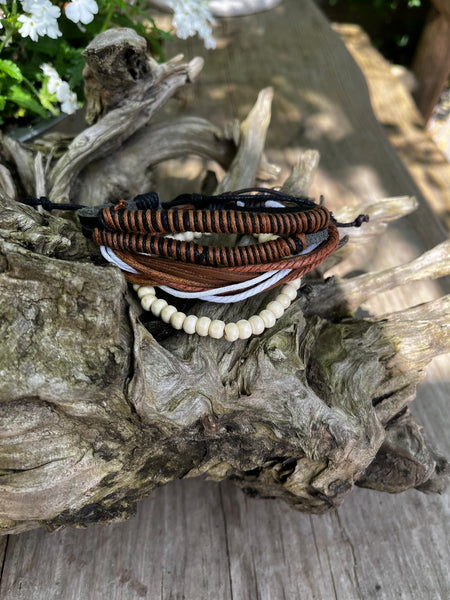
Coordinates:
[142,237]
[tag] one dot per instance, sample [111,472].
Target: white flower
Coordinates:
[81,11]
[29,27]
[56,85]
[49,71]
[70,105]
[42,20]
[63,91]
[28,4]
[191,17]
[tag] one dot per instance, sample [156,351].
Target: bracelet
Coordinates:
[204,326]
[153,245]
[191,278]
[133,240]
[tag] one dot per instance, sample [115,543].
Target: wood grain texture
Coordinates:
[202,540]
[3,547]
[208,541]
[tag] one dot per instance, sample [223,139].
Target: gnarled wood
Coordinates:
[97,411]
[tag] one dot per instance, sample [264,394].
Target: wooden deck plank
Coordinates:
[172,549]
[200,540]
[373,547]
[3,547]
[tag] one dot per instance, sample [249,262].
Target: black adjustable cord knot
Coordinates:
[42,201]
[149,201]
[361,219]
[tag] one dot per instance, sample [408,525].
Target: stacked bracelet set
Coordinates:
[180,247]
[167,247]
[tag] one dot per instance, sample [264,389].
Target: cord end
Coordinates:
[360,219]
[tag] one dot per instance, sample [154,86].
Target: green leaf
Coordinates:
[48,100]
[2,102]
[23,98]
[11,69]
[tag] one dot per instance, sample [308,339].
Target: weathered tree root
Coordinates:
[97,411]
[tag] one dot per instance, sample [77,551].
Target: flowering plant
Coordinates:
[41,42]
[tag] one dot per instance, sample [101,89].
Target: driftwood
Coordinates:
[100,404]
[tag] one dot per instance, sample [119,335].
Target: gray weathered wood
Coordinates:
[203,540]
[381,546]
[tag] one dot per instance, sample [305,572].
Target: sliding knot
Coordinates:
[42,201]
[149,201]
[121,205]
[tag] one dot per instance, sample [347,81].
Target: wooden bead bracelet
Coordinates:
[204,326]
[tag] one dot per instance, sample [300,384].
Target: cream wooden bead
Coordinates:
[268,317]
[147,301]
[177,320]
[290,291]
[157,306]
[167,312]
[189,324]
[144,290]
[202,326]
[231,332]
[216,329]
[276,308]
[284,300]
[257,324]
[136,286]
[245,329]
[296,283]
[266,237]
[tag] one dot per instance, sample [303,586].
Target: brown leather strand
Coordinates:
[191,252]
[185,277]
[215,221]
[137,238]
[194,278]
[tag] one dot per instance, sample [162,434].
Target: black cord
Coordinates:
[360,219]
[48,205]
[251,196]
[152,201]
